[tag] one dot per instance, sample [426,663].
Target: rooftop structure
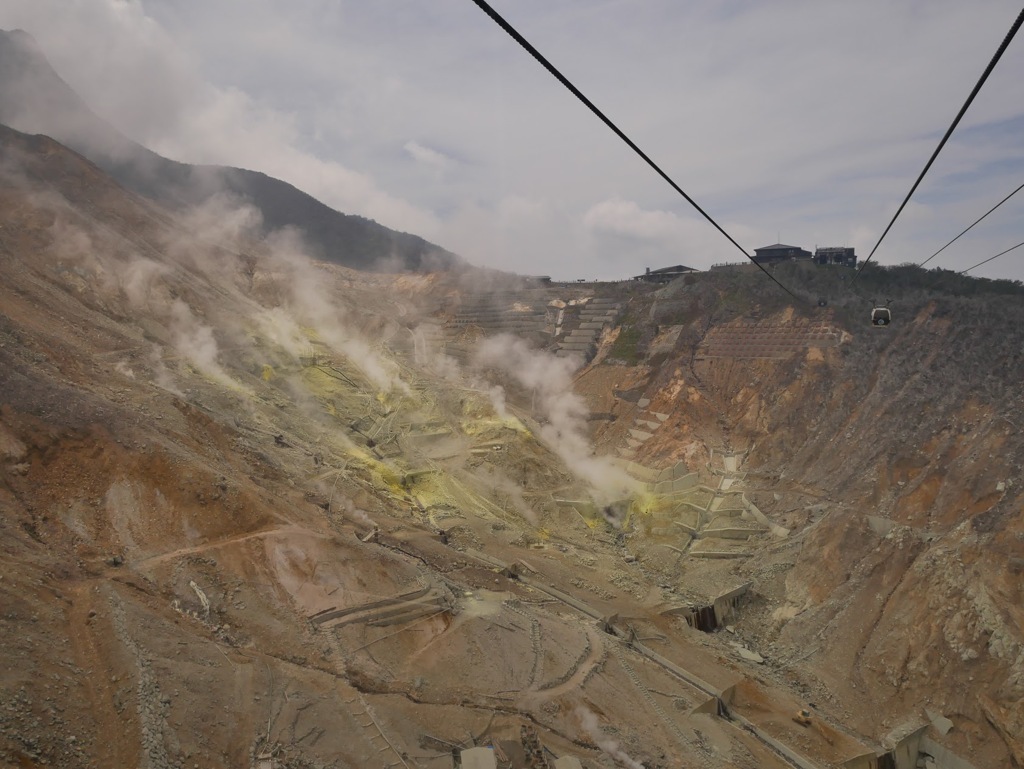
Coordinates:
[779,252]
[664,274]
[843,255]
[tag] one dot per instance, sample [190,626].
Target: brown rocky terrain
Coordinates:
[894,458]
[260,511]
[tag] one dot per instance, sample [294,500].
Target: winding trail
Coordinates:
[156,560]
[584,668]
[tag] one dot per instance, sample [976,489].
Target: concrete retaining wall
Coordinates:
[676,485]
[729,533]
[478,758]
[944,758]
[776,530]
[667,481]
[865,761]
[725,604]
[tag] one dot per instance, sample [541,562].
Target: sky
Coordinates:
[795,121]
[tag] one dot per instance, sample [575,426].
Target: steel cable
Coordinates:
[956,121]
[976,221]
[500,21]
[986,261]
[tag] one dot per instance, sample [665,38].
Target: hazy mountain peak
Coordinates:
[21,38]
[34,99]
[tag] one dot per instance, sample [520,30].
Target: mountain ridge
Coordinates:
[34,99]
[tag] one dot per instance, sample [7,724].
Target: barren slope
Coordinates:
[893,456]
[236,525]
[256,509]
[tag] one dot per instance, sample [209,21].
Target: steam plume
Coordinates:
[196,342]
[550,379]
[592,727]
[329,318]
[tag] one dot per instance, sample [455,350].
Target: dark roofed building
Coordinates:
[664,274]
[835,255]
[779,253]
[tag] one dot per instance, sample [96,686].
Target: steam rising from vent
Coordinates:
[449,369]
[161,375]
[513,492]
[224,221]
[281,330]
[223,218]
[432,359]
[592,727]
[496,394]
[550,379]
[348,506]
[196,342]
[328,318]
[138,280]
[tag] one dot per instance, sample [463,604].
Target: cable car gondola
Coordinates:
[881,315]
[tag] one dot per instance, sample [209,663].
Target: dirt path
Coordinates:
[156,560]
[576,680]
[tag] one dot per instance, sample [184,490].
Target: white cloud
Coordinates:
[427,156]
[624,217]
[133,72]
[519,211]
[805,120]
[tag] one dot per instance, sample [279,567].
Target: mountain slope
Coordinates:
[34,99]
[208,456]
[892,456]
[251,503]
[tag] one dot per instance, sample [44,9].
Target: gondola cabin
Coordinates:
[881,316]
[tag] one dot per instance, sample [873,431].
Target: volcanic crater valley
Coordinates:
[259,509]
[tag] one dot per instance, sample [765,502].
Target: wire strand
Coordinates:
[986,261]
[976,221]
[949,132]
[500,21]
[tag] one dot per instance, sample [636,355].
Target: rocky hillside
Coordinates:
[262,511]
[893,454]
[34,99]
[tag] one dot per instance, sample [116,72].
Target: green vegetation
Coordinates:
[626,347]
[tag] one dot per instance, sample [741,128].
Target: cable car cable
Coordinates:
[976,221]
[497,18]
[943,274]
[956,121]
[963,272]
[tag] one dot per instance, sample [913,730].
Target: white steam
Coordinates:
[312,304]
[281,330]
[161,375]
[349,508]
[592,727]
[124,369]
[429,358]
[496,395]
[550,379]
[139,279]
[196,342]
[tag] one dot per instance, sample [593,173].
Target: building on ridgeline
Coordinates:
[780,253]
[664,274]
[843,255]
